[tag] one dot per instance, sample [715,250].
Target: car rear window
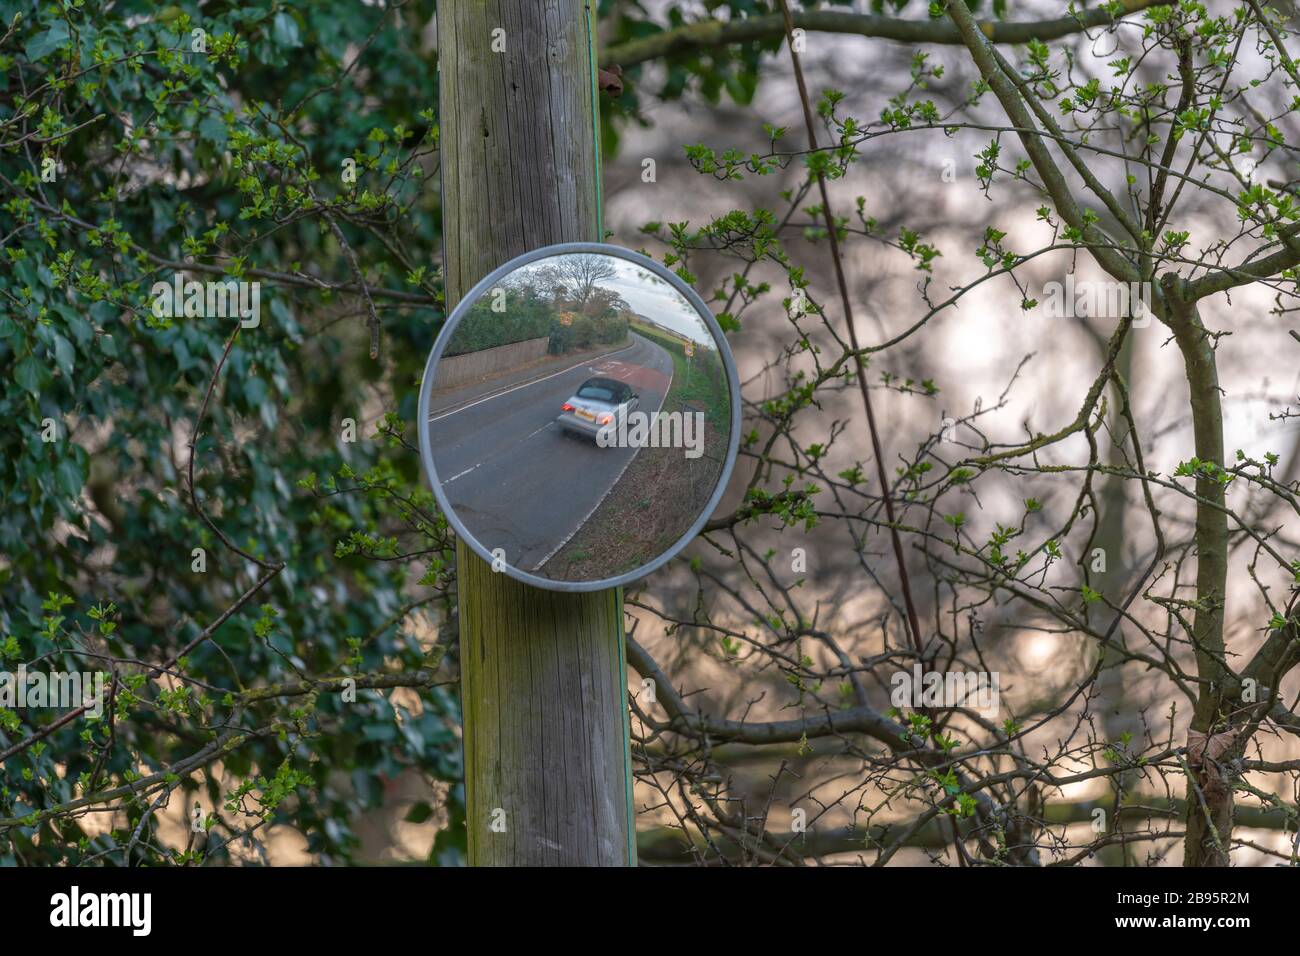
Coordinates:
[599,392]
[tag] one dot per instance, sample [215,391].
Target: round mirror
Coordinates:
[580,414]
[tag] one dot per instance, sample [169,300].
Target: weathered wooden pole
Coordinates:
[543,678]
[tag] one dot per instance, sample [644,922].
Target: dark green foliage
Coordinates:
[588,331]
[232,159]
[528,317]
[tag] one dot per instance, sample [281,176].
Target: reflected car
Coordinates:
[598,402]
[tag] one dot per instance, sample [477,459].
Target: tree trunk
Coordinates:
[1112,695]
[1209,798]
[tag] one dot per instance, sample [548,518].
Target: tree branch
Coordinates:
[706,34]
[1109,258]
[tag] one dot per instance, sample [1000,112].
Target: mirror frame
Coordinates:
[444,337]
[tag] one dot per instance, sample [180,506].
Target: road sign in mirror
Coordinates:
[580,416]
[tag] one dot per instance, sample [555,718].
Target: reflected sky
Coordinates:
[647,294]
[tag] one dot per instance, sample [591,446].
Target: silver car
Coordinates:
[598,402]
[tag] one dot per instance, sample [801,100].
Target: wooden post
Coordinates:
[543,678]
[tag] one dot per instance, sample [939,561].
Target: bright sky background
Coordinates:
[653,298]
[658,301]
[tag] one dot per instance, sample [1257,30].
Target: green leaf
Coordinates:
[64,354]
[69,477]
[45,43]
[31,374]
[285,31]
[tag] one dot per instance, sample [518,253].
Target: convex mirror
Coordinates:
[579,416]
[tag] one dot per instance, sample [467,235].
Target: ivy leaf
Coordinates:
[69,477]
[285,31]
[45,43]
[64,354]
[31,374]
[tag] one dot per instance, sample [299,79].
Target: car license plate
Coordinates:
[589,416]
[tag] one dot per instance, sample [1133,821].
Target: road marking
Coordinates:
[488,398]
[535,431]
[499,453]
[619,477]
[461,475]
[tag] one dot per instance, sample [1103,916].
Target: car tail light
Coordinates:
[566,407]
[606,419]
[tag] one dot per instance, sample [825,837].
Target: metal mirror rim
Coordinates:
[733,391]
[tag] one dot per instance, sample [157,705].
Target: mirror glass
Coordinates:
[579,414]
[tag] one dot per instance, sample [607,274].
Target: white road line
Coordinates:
[499,453]
[617,479]
[461,475]
[488,398]
[535,431]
